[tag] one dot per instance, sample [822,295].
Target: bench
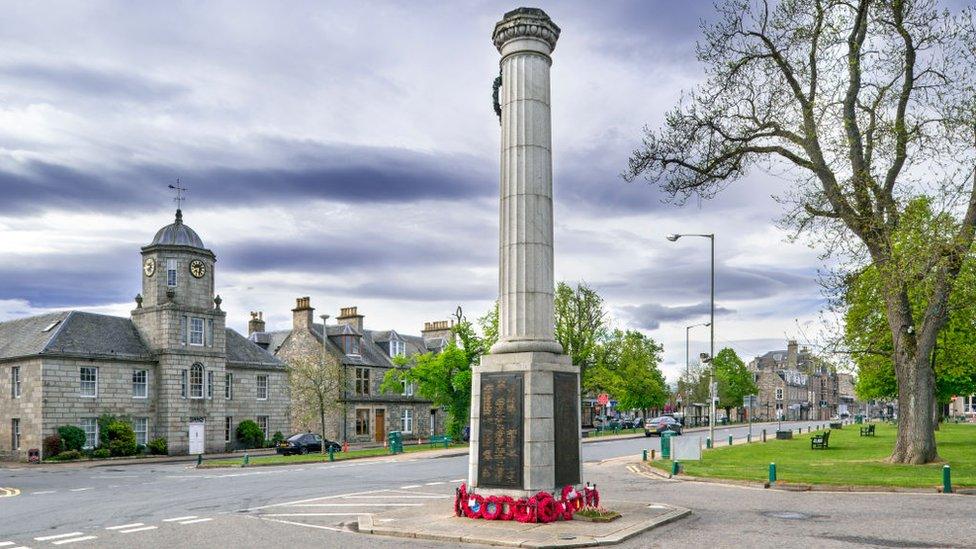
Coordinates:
[867,431]
[820,441]
[440,439]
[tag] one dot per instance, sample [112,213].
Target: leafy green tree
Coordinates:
[629,369]
[866,331]
[857,107]
[316,383]
[580,324]
[735,381]
[121,438]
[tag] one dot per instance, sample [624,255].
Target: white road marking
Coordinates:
[56,536]
[459,480]
[409,486]
[370,504]
[6,543]
[316,526]
[287,503]
[194,521]
[124,526]
[311,514]
[434,483]
[143,529]
[72,540]
[42,492]
[174,519]
[81,489]
[402,496]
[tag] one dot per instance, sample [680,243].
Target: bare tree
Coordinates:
[863,105]
[316,385]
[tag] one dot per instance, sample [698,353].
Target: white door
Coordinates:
[196,438]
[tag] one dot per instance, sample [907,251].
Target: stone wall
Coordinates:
[26,408]
[244,403]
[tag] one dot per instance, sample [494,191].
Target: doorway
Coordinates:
[197,445]
[380,425]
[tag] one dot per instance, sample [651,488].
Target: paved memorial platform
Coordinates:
[436,521]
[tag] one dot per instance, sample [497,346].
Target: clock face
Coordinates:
[149,266]
[197,268]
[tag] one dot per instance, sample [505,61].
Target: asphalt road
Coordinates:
[176,504]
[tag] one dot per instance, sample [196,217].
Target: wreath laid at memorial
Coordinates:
[542,507]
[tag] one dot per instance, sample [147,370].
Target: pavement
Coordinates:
[174,504]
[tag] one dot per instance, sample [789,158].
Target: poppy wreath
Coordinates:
[460,494]
[546,507]
[507,507]
[592,496]
[524,510]
[493,508]
[573,499]
[474,506]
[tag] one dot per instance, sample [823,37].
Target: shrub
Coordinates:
[158,446]
[102,453]
[67,455]
[73,438]
[52,446]
[121,438]
[250,434]
[276,438]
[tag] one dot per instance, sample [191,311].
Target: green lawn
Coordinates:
[850,460]
[318,458]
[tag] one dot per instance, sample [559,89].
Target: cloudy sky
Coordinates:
[349,152]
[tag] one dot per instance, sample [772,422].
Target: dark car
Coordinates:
[633,423]
[658,425]
[304,443]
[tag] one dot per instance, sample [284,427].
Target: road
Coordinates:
[176,504]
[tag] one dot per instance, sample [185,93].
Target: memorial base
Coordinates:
[525,424]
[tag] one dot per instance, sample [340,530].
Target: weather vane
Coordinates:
[179,198]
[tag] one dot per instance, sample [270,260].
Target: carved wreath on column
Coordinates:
[494,97]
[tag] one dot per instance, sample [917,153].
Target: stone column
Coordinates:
[525,414]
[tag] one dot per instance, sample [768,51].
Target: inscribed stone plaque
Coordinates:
[566,410]
[500,431]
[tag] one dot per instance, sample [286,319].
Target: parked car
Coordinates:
[304,443]
[661,424]
[633,423]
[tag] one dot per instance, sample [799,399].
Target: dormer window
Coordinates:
[397,348]
[350,344]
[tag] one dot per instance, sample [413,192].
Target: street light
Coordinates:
[711,323]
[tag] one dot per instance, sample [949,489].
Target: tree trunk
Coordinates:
[915,443]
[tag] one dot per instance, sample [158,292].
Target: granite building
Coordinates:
[363,412]
[172,366]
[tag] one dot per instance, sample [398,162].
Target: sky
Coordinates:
[348,152]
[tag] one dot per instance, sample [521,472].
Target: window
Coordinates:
[229,386]
[171,273]
[362,422]
[408,388]
[210,383]
[15,434]
[182,383]
[196,381]
[89,382]
[350,344]
[228,428]
[779,393]
[140,384]
[15,382]
[90,426]
[263,387]
[141,427]
[406,421]
[397,348]
[362,381]
[196,331]
[263,424]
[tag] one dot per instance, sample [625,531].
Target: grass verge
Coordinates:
[850,460]
[319,458]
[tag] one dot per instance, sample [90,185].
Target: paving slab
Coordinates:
[436,521]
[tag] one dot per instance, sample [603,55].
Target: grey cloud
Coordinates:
[649,316]
[85,279]
[88,81]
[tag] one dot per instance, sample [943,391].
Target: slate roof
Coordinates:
[243,352]
[76,333]
[373,349]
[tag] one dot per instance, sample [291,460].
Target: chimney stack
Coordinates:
[348,316]
[791,354]
[438,328]
[256,324]
[302,314]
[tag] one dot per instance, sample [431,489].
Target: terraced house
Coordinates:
[364,413]
[172,366]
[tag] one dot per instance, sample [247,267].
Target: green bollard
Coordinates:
[730,440]
[199,459]
[946,480]
[708,442]
[674,468]
[246,460]
[331,453]
[645,454]
[772,473]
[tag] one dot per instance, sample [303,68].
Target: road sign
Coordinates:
[603,399]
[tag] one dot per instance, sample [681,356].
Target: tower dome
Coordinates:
[177,234]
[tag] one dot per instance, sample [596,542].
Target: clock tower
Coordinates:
[179,317]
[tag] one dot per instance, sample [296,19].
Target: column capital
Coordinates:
[525,29]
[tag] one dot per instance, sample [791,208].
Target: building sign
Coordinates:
[500,431]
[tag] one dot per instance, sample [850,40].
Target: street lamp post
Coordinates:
[711,323]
